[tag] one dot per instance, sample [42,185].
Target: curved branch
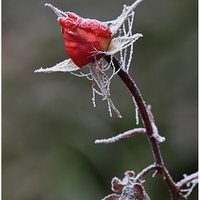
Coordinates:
[146,170]
[148,124]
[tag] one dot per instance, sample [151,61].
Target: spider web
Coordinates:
[101,72]
[126,54]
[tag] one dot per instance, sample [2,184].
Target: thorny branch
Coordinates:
[151,133]
[131,186]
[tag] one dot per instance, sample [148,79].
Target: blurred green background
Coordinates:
[49,123]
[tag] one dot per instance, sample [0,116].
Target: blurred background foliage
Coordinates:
[49,123]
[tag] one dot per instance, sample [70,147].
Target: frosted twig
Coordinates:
[145,171]
[126,134]
[190,181]
[148,124]
[187,179]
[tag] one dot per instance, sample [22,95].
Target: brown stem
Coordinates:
[147,121]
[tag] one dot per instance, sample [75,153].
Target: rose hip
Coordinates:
[84,38]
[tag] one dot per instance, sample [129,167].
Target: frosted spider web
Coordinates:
[102,72]
[126,53]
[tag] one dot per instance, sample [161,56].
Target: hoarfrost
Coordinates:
[124,42]
[156,135]
[136,112]
[101,79]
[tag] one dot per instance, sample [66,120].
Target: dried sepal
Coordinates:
[112,197]
[131,187]
[129,173]
[117,184]
[120,43]
[126,13]
[58,12]
[65,66]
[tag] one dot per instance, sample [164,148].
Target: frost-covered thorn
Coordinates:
[155,134]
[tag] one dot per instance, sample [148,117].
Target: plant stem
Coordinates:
[148,124]
[187,179]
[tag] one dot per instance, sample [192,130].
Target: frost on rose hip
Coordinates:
[83,37]
[88,42]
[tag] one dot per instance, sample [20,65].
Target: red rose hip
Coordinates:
[83,38]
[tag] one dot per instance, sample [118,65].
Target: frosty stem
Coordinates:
[147,121]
